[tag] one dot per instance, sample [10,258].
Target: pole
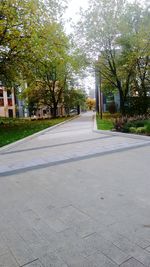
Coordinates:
[100,97]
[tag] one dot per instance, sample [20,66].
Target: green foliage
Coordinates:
[133,125]
[132,129]
[117,32]
[74,98]
[148,128]
[36,50]
[19,23]
[141,130]
[29,33]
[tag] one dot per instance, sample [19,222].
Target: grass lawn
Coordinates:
[12,130]
[104,124]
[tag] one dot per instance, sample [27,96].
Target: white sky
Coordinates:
[73,10]
[74,7]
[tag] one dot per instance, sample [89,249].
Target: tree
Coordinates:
[36,50]
[90,103]
[109,31]
[73,98]
[54,63]
[135,52]
[19,21]
[21,24]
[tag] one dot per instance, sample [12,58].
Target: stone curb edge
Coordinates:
[36,134]
[127,135]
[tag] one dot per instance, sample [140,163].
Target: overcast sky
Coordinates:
[74,7]
[73,10]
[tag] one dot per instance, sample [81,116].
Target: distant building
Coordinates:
[7,102]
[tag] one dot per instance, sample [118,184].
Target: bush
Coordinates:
[136,124]
[132,129]
[119,124]
[148,128]
[141,130]
[139,123]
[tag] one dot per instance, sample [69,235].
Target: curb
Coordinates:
[35,134]
[127,135]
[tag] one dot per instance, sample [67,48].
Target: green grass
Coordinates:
[12,130]
[104,124]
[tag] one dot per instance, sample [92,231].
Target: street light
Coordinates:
[98,91]
[100,96]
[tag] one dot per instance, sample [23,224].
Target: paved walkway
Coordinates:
[71,197]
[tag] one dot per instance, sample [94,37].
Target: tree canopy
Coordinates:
[24,25]
[116,35]
[36,50]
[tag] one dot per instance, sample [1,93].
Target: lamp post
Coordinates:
[98,91]
[100,96]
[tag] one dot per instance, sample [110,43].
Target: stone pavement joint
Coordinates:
[56,145]
[39,164]
[29,263]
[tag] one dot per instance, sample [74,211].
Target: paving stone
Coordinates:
[50,259]
[143,243]
[143,256]
[31,237]
[126,245]
[95,243]
[7,260]
[100,260]
[73,256]
[69,215]
[132,263]
[132,249]
[3,247]
[86,228]
[148,248]
[67,240]
[18,248]
[35,263]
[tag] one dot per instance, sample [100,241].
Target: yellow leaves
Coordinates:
[91,103]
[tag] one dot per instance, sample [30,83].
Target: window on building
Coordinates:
[1,98]
[9,102]
[9,97]
[9,94]
[1,93]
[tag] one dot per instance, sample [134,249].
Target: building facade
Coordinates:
[7,102]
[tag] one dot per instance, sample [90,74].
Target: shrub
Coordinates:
[141,130]
[136,124]
[132,129]
[148,128]
[119,123]
[139,123]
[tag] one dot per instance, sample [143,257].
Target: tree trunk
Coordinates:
[122,102]
[55,111]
